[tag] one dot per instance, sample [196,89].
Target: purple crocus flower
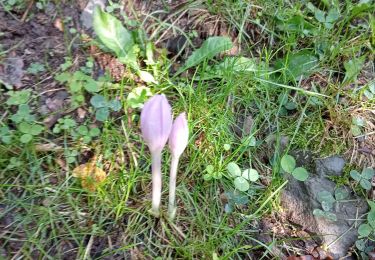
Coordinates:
[178,140]
[156,125]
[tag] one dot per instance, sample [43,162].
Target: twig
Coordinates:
[24,16]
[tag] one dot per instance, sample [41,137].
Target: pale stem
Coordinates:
[172,187]
[156,182]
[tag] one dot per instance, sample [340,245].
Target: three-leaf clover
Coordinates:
[363,178]
[288,164]
[103,106]
[5,135]
[85,133]
[211,173]
[242,178]
[327,201]
[23,114]
[18,97]
[29,130]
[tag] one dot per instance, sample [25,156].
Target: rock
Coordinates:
[299,199]
[11,71]
[87,13]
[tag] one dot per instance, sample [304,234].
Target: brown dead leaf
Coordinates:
[90,175]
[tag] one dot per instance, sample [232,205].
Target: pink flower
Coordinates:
[179,136]
[156,125]
[156,122]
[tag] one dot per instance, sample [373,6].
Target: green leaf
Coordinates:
[353,68]
[91,86]
[300,174]
[330,216]
[251,175]
[298,65]
[24,127]
[211,47]
[367,173]
[326,199]
[210,169]
[333,15]
[226,147]
[98,101]
[83,130]
[359,121]
[36,129]
[102,114]
[360,244]
[18,97]
[356,130]
[115,105]
[94,132]
[318,213]
[147,77]
[25,138]
[288,163]
[233,169]
[207,177]
[364,230]
[365,184]
[371,218]
[111,32]
[355,175]
[241,184]
[341,193]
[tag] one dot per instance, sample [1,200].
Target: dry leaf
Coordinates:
[90,175]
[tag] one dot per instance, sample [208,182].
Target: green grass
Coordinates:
[47,214]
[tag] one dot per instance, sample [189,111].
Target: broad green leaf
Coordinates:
[360,244]
[356,130]
[298,65]
[111,32]
[241,184]
[368,173]
[233,169]
[365,184]
[355,175]
[341,193]
[288,163]
[98,101]
[25,138]
[330,216]
[36,129]
[226,147]
[300,174]
[318,213]
[251,175]
[211,47]
[359,121]
[94,132]
[364,230]
[83,130]
[325,196]
[210,169]
[326,206]
[228,208]
[115,105]
[332,16]
[207,177]
[353,68]
[91,86]
[102,114]
[24,127]
[147,77]
[371,218]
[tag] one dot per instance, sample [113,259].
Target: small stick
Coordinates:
[24,16]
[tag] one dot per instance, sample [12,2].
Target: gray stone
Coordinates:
[299,199]
[87,13]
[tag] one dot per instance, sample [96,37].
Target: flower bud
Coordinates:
[156,122]
[178,138]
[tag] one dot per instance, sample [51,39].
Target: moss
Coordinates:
[312,136]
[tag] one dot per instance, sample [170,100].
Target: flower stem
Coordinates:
[156,182]
[172,187]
